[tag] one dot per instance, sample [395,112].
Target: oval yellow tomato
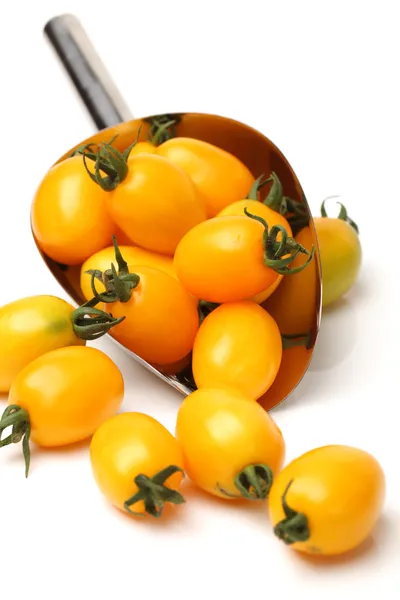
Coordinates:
[156,203]
[30,327]
[69,214]
[134,256]
[340,252]
[143,148]
[220,177]
[231,446]
[62,397]
[238,345]
[222,260]
[161,318]
[137,464]
[327,500]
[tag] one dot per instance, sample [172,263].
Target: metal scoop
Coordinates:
[296,305]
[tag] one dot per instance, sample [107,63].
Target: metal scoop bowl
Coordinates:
[296,305]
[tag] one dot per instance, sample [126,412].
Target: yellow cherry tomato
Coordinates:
[340,252]
[30,327]
[69,214]
[231,446]
[137,464]
[155,204]
[161,318]
[222,260]
[62,397]
[134,256]
[328,500]
[220,177]
[238,345]
[143,148]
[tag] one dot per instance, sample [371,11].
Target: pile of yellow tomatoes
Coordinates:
[177,253]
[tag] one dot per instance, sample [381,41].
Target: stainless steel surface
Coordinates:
[297,305]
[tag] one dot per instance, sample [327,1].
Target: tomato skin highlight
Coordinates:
[156,204]
[340,490]
[239,346]
[340,252]
[221,432]
[128,445]
[68,393]
[220,177]
[222,260]
[134,256]
[30,327]
[69,214]
[161,318]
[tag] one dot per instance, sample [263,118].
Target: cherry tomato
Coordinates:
[69,214]
[137,464]
[222,260]
[340,252]
[155,204]
[161,318]
[62,397]
[134,255]
[328,500]
[272,218]
[220,177]
[239,346]
[231,446]
[30,327]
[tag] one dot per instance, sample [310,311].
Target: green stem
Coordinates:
[254,481]
[275,195]
[294,528]
[154,493]
[162,128]
[278,255]
[18,419]
[342,214]
[256,187]
[90,323]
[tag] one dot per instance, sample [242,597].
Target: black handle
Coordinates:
[87,72]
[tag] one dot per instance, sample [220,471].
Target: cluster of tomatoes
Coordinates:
[194,254]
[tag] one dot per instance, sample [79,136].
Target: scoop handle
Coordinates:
[86,71]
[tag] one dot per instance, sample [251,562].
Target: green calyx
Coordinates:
[90,323]
[253,483]
[18,419]
[162,128]
[118,285]
[294,528]
[110,165]
[278,255]
[295,212]
[342,214]
[154,493]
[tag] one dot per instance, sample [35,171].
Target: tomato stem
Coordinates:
[153,492]
[254,482]
[342,214]
[294,211]
[162,128]
[90,323]
[18,418]
[294,528]
[278,255]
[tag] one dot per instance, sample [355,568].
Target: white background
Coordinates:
[321,79]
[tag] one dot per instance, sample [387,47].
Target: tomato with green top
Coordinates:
[231,446]
[61,398]
[328,500]
[137,464]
